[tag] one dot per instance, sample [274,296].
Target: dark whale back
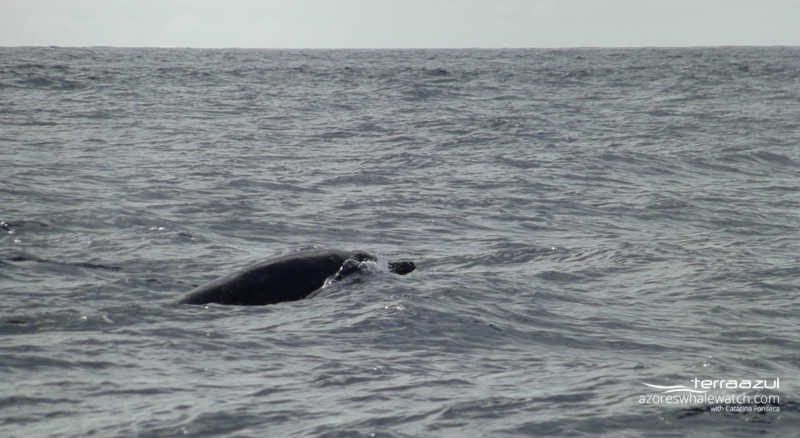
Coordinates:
[286,278]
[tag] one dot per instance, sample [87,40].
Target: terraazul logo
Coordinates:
[674,388]
[716,392]
[701,386]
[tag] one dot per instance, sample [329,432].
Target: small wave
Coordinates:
[436,72]
[362,179]
[775,158]
[663,202]
[49,83]
[561,276]
[24,257]
[760,157]
[501,257]
[14,225]
[19,400]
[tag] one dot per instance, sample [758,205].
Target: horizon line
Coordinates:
[653,46]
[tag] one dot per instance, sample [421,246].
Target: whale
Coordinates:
[286,278]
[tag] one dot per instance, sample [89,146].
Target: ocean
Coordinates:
[597,233]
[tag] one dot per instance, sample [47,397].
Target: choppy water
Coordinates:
[583,221]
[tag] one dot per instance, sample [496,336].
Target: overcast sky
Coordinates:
[399,23]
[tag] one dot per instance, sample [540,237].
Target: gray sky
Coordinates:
[399,23]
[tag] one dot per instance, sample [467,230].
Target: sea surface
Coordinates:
[584,222]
